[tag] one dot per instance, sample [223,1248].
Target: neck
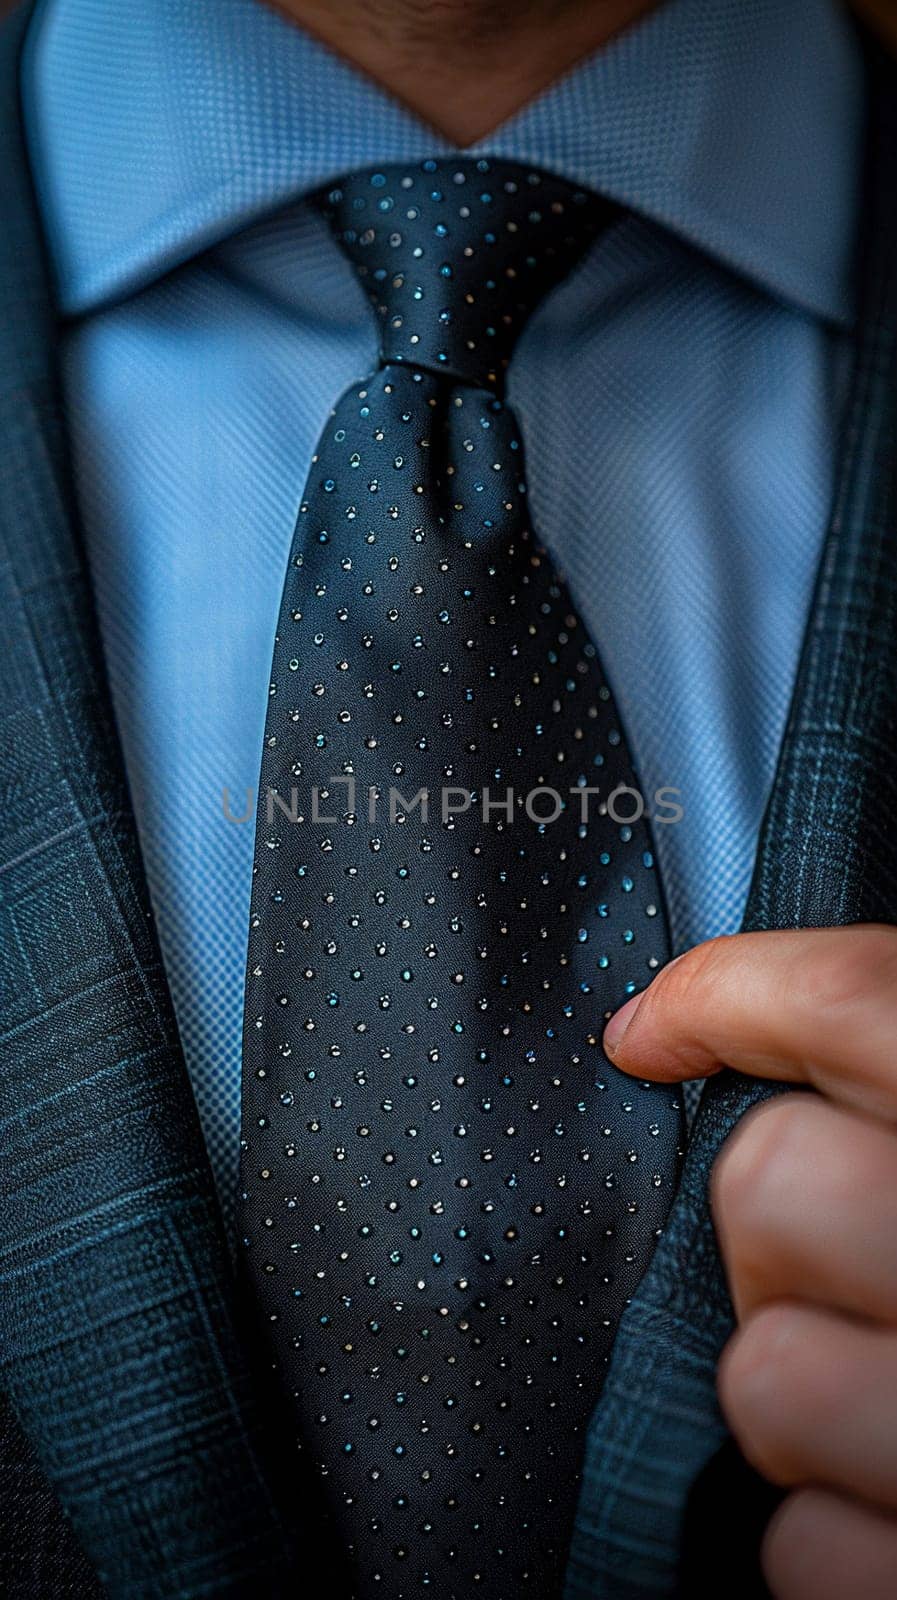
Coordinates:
[464,66]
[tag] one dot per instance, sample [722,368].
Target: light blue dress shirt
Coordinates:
[679,397]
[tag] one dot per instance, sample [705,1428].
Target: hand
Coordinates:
[804,1199]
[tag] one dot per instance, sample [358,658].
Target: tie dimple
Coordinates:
[449,1194]
[456,255]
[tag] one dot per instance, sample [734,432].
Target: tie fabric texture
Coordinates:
[449,1194]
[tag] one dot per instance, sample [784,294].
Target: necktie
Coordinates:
[449,1194]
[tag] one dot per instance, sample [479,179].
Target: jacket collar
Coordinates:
[827,857]
[118,1321]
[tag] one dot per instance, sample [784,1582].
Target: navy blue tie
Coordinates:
[449,1192]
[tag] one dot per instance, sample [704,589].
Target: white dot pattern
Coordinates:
[449,1193]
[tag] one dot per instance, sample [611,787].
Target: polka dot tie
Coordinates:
[449,1193]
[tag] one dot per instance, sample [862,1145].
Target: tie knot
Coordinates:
[456,254]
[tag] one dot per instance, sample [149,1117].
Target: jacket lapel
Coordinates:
[827,856]
[117,1312]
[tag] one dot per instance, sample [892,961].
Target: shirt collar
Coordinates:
[158,127]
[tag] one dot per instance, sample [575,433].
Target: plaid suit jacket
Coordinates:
[129,1401]
[133,1456]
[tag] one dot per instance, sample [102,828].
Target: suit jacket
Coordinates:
[137,1459]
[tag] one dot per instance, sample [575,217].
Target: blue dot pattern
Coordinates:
[449,1194]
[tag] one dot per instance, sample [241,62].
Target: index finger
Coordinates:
[815,1006]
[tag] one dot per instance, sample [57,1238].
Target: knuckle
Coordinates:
[760,1381]
[790,1544]
[858,966]
[678,982]
[755,1170]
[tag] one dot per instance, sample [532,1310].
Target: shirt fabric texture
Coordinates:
[679,395]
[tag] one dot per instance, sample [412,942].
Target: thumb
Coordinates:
[815,1006]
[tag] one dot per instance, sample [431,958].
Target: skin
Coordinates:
[804,1198]
[464,66]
